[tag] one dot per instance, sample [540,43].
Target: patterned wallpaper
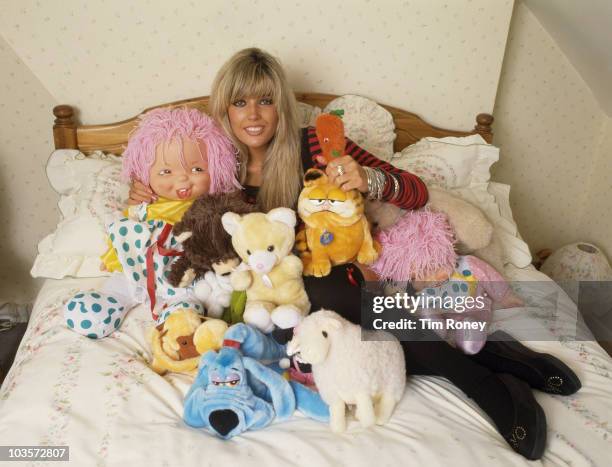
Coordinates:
[112,58]
[597,213]
[27,202]
[549,128]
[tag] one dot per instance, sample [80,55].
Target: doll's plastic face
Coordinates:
[171,178]
[254,121]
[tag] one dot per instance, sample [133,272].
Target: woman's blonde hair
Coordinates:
[255,73]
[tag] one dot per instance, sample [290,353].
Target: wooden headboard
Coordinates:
[112,137]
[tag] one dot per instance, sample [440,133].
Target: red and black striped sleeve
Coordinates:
[412,192]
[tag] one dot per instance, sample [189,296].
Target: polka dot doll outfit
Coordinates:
[472,277]
[144,251]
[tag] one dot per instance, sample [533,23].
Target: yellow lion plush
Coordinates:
[179,341]
[337,231]
[269,272]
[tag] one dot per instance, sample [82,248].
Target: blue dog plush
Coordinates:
[234,392]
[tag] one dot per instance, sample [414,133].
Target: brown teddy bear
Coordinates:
[205,242]
[209,257]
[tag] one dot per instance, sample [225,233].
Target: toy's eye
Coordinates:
[249,252]
[271,248]
[317,202]
[326,140]
[226,273]
[216,383]
[164,172]
[324,334]
[197,169]
[233,383]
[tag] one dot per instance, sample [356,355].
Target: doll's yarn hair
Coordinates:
[162,126]
[419,244]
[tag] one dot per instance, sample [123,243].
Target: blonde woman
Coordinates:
[253,102]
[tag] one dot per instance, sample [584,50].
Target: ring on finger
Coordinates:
[340,170]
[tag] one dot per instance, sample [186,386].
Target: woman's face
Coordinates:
[253,121]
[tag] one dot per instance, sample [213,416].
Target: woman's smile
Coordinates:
[255,130]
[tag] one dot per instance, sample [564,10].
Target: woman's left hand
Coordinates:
[346,173]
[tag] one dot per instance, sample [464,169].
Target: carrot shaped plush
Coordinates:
[336,229]
[330,133]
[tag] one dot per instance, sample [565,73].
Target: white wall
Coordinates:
[27,202]
[549,128]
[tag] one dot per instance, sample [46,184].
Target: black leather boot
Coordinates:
[527,434]
[503,354]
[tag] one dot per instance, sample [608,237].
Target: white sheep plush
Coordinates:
[348,370]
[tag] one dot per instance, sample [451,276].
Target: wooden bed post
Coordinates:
[64,128]
[483,126]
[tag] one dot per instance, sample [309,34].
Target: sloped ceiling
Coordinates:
[583,31]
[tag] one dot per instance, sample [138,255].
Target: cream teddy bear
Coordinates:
[270,274]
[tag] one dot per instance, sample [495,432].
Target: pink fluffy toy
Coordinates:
[419,244]
[419,247]
[161,126]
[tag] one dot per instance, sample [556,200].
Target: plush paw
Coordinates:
[187,278]
[337,424]
[259,316]
[240,280]
[286,316]
[367,255]
[365,414]
[384,409]
[320,268]
[202,290]
[306,258]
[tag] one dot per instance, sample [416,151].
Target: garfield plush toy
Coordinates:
[337,231]
[269,272]
[179,341]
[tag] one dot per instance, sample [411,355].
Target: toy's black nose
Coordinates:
[223,421]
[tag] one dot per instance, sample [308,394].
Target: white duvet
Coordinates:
[101,399]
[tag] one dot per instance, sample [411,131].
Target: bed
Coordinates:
[102,400]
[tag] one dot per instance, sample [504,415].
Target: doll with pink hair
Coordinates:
[181,154]
[420,248]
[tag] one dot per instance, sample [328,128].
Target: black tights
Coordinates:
[429,356]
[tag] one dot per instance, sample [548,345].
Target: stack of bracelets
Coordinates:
[376,183]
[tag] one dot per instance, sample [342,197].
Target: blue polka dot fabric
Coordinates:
[97,315]
[130,237]
[90,314]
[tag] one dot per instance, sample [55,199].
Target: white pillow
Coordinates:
[449,162]
[367,123]
[91,196]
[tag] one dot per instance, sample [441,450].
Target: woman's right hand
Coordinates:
[140,193]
